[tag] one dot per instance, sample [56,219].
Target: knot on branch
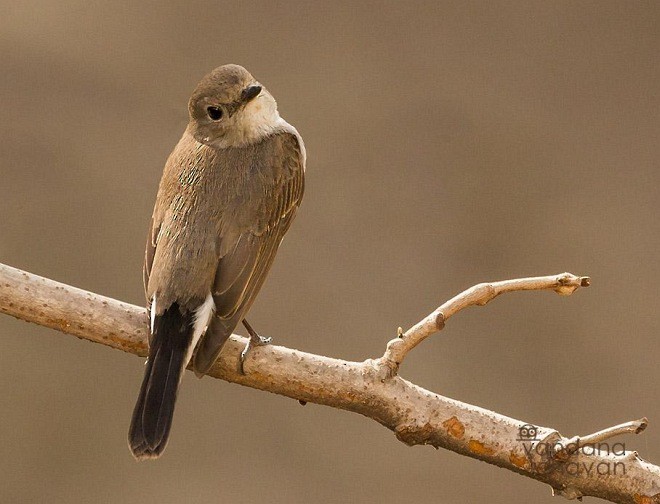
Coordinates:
[541,454]
[416,434]
[484,293]
[385,368]
[440,321]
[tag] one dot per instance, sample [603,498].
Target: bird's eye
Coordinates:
[215,113]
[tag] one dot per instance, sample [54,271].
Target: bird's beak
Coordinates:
[250,92]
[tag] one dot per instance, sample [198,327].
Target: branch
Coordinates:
[397,349]
[371,388]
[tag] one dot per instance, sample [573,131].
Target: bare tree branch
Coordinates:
[573,467]
[397,349]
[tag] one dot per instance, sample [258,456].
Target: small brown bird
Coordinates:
[228,194]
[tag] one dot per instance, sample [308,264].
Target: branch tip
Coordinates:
[643,423]
[567,283]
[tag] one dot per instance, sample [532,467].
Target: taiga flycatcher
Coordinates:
[228,194]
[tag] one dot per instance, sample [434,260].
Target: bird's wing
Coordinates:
[276,189]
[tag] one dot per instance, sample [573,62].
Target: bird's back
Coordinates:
[238,185]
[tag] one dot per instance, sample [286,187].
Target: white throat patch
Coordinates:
[257,120]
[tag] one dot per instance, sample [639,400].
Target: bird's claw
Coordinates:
[255,340]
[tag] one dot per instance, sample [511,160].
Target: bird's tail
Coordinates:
[168,350]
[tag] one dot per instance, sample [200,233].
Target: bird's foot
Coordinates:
[255,340]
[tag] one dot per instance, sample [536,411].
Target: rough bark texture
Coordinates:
[372,388]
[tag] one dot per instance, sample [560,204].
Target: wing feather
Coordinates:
[242,271]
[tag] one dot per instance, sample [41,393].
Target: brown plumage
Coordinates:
[228,194]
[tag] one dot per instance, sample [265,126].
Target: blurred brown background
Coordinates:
[448,143]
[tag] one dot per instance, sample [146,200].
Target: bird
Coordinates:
[229,192]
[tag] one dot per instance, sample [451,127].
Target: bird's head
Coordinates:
[229,108]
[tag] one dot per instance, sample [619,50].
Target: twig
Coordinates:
[576,442]
[397,349]
[415,415]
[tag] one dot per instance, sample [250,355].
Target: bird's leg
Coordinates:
[255,339]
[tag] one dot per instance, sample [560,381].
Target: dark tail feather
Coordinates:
[152,417]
